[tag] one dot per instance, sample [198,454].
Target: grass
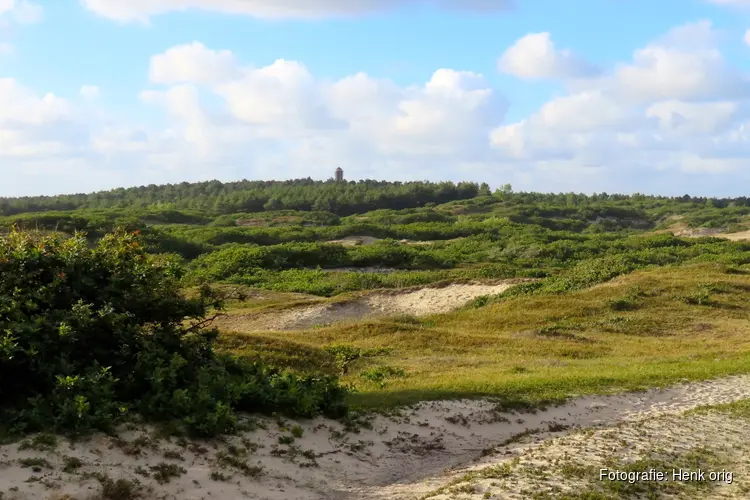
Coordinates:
[164,472]
[40,442]
[737,409]
[634,332]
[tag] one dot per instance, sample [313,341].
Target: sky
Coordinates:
[616,96]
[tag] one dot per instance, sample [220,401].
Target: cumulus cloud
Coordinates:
[191,63]
[142,10]
[535,57]
[284,100]
[685,63]
[40,141]
[20,107]
[677,107]
[692,118]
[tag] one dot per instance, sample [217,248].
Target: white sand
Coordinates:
[401,457]
[415,302]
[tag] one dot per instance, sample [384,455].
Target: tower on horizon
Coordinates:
[339,174]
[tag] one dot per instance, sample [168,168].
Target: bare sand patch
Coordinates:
[353,241]
[429,242]
[402,456]
[416,302]
[369,240]
[738,236]
[682,230]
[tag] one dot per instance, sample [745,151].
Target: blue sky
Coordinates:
[578,95]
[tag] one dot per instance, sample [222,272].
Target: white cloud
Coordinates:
[684,64]
[38,136]
[694,118]
[142,10]
[20,11]
[677,109]
[730,3]
[89,92]
[534,56]
[664,73]
[6,6]
[696,164]
[26,12]
[191,63]
[16,12]
[285,101]
[20,107]
[283,95]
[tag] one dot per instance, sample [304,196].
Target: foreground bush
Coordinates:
[89,336]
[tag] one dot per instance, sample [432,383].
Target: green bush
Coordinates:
[380,375]
[622,304]
[91,335]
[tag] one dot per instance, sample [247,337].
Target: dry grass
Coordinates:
[647,329]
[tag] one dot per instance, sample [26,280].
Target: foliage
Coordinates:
[93,334]
[381,374]
[345,355]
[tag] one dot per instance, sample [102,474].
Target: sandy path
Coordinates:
[396,457]
[415,302]
[571,464]
[597,411]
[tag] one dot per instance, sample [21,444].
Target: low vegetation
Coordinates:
[613,299]
[540,347]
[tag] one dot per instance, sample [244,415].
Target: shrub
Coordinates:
[90,335]
[346,355]
[379,375]
[699,297]
[622,304]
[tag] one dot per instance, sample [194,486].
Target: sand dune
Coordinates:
[416,302]
[682,230]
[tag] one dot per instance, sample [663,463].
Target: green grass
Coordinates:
[540,349]
[738,409]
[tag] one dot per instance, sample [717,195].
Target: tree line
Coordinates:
[340,198]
